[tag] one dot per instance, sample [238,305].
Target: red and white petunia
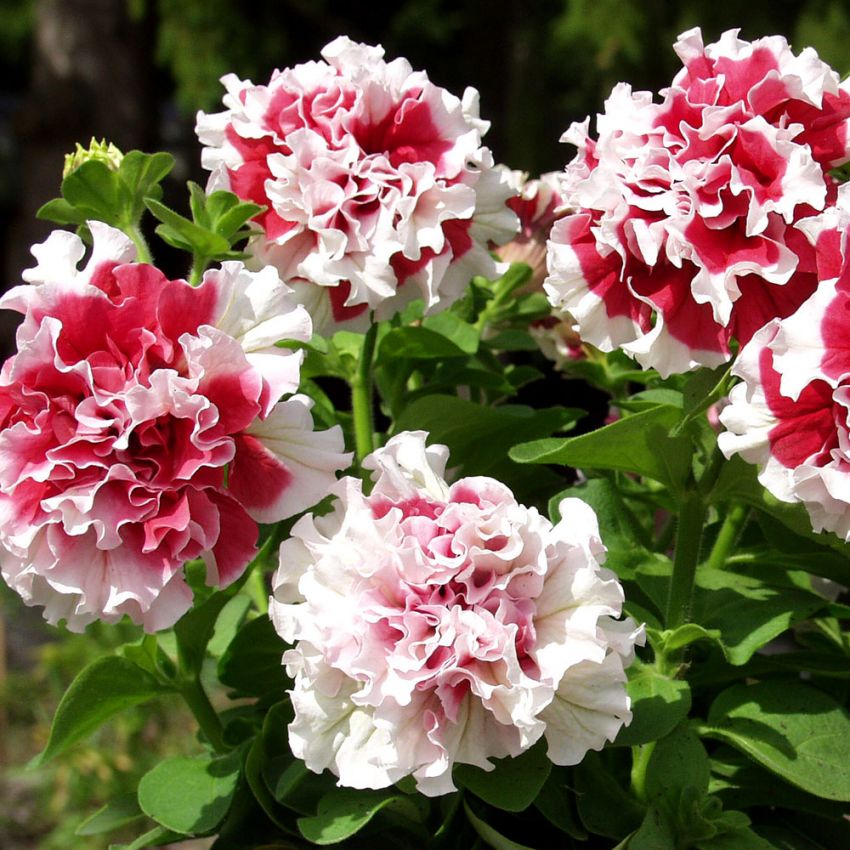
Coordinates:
[141,427]
[791,414]
[439,624]
[376,186]
[684,232]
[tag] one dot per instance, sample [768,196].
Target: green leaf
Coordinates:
[251,664]
[793,730]
[656,832]
[513,784]
[556,803]
[659,704]
[95,190]
[141,173]
[61,212]
[701,390]
[452,327]
[678,761]
[345,811]
[490,836]
[104,688]
[480,436]
[115,814]
[182,233]
[739,839]
[227,625]
[194,629]
[639,443]
[154,838]
[190,795]
[604,806]
[748,611]
[416,343]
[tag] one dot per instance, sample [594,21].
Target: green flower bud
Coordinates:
[100,151]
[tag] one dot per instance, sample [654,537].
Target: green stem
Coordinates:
[199,265]
[196,698]
[640,761]
[727,537]
[143,252]
[361,397]
[688,542]
[257,589]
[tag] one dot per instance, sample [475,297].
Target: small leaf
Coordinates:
[793,730]
[190,795]
[228,623]
[154,838]
[345,811]
[194,629]
[95,190]
[659,704]
[656,832]
[557,804]
[61,212]
[490,836]
[513,784]
[748,611]
[678,761]
[115,814]
[478,434]
[104,688]
[604,806]
[639,443]
[251,664]
[742,838]
[462,334]
[416,343]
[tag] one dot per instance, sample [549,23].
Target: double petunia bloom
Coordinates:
[684,234]
[141,428]
[376,187]
[439,624]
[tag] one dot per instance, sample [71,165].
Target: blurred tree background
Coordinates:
[136,71]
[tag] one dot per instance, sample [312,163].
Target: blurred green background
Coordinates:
[135,72]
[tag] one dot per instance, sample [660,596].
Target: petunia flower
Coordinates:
[791,413]
[684,235]
[376,187]
[439,624]
[141,428]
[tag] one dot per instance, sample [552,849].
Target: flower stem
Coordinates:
[199,265]
[727,537]
[361,397]
[143,252]
[688,542]
[640,761]
[196,698]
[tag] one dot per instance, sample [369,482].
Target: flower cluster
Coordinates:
[140,428]
[685,232]
[791,416]
[441,624]
[374,179]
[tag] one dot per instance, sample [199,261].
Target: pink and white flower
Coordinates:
[538,205]
[140,428]
[684,234]
[376,185]
[440,624]
[791,414]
